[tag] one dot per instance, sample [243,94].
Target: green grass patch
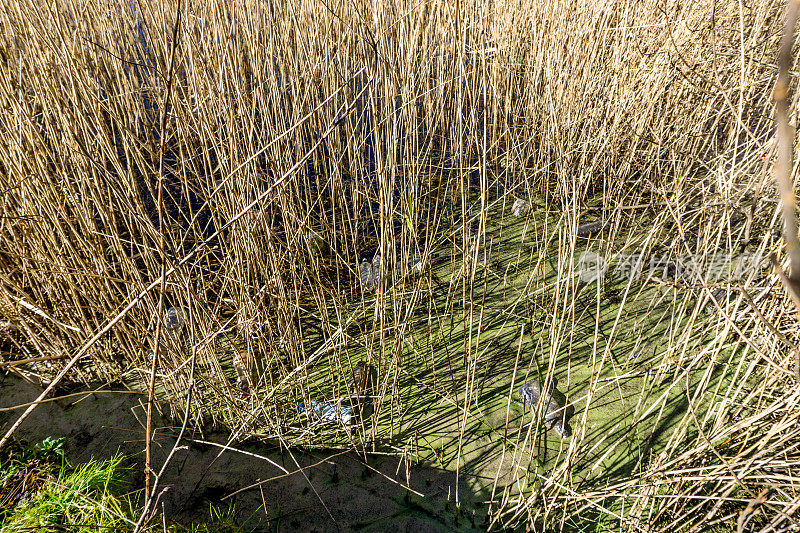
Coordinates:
[41,492]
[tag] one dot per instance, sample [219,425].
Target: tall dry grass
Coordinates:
[302,137]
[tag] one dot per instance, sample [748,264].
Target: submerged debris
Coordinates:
[372,275]
[317,243]
[376,269]
[362,378]
[590,228]
[718,295]
[521,208]
[172,332]
[553,410]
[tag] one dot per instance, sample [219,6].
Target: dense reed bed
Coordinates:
[239,161]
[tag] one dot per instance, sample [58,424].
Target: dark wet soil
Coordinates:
[360,493]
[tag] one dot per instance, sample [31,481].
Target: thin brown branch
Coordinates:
[165,110]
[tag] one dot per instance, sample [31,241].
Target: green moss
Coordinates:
[453,356]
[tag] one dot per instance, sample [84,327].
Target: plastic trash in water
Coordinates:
[242,383]
[521,208]
[417,266]
[172,330]
[367,275]
[175,321]
[328,411]
[372,273]
[317,242]
[244,389]
[173,327]
[376,269]
[555,412]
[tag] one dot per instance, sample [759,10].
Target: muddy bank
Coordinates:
[365,494]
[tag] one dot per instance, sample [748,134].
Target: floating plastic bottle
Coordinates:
[373,273]
[414,266]
[242,382]
[328,411]
[174,324]
[365,272]
[377,274]
[175,321]
[554,409]
[521,208]
[418,265]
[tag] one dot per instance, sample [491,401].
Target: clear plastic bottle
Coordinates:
[521,208]
[172,332]
[416,266]
[366,272]
[317,243]
[242,383]
[376,268]
[174,322]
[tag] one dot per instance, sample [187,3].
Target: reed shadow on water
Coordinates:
[302,138]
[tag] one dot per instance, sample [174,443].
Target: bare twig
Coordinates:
[165,111]
[752,507]
[783,163]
